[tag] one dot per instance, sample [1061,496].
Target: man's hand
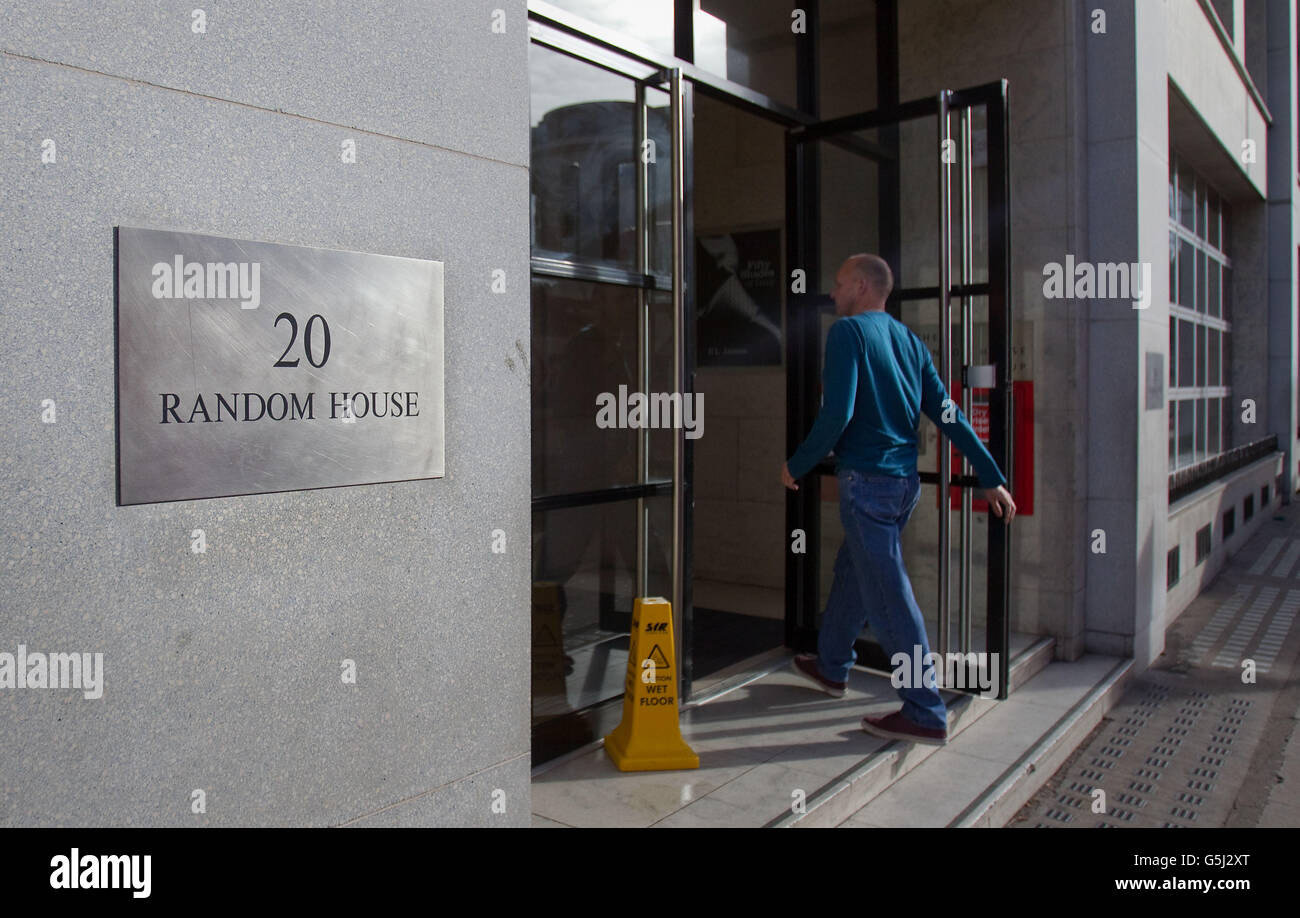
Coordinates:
[786,479]
[1001,503]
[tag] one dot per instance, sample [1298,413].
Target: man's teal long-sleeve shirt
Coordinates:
[878,379]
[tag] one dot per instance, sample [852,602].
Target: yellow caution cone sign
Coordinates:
[649,738]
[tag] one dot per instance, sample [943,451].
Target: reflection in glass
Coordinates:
[749,42]
[584,163]
[1185,409]
[1200,281]
[1173,267]
[584,581]
[1212,288]
[649,22]
[584,343]
[1212,234]
[1172,429]
[1200,429]
[1186,267]
[1186,352]
[1200,355]
[1173,355]
[1186,208]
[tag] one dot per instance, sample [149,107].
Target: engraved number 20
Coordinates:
[306,341]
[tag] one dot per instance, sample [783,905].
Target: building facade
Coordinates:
[677,181]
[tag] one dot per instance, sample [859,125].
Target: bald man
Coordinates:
[877,380]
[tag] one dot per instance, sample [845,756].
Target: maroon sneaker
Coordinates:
[896,726]
[805,664]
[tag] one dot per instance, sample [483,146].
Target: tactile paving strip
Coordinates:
[1169,755]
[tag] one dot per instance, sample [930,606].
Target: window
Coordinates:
[1200,282]
[1229,523]
[1263,497]
[1203,543]
[1171,567]
[1248,508]
[649,22]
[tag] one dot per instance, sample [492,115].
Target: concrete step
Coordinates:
[996,763]
[774,752]
[877,773]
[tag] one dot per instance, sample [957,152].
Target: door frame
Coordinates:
[562,31]
[803,507]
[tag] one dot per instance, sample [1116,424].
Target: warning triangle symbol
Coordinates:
[658,658]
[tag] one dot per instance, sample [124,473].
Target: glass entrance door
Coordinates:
[924,185]
[607,192]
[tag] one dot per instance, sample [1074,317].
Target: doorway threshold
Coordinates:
[775,752]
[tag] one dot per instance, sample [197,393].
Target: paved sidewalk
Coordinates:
[1191,744]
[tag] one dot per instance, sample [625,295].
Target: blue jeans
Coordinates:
[871,586]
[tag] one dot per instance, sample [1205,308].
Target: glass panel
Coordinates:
[1185,409]
[749,42]
[847,50]
[1173,267]
[1212,234]
[1173,429]
[1200,355]
[1186,352]
[584,162]
[1173,191]
[1173,353]
[1200,429]
[584,581]
[979,194]
[739,212]
[849,203]
[920,541]
[919,217]
[1214,441]
[584,338]
[1186,211]
[661,379]
[1226,292]
[1214,305]
[1200,281]
[649,22]
[1200,208]
[1215,376]
[1186,265]
[922,317]
[738,574]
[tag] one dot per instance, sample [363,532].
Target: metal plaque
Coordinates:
[1155,381]
[249,367]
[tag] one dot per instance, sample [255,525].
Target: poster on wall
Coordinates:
[739,299]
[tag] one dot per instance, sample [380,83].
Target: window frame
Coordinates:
[1194,321]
